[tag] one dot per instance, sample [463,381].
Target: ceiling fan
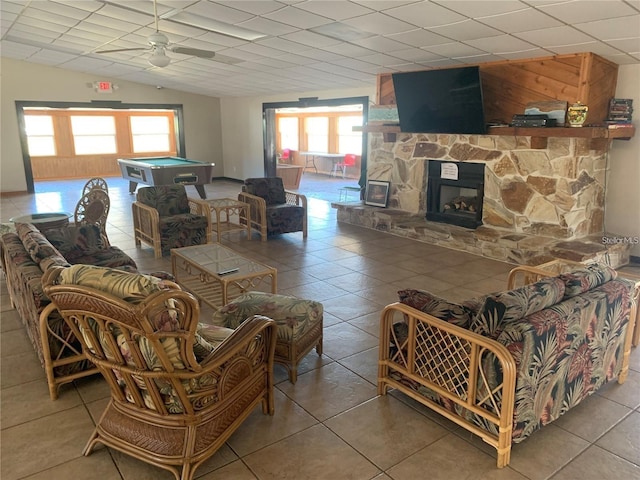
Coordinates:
[159,44]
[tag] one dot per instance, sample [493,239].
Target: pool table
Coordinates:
[166,171]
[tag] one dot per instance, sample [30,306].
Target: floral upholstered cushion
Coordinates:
[293,316]
[501,308]
[76,239]
[166,199]
[269,188]
[38,247]
[438,307]
[587,278]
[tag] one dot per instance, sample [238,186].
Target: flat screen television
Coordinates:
[440,101]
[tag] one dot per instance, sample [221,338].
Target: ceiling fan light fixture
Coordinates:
[159,59]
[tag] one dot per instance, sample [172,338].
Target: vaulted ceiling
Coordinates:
[266,47]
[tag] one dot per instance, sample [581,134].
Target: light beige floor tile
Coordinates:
[14,342]
[83,468]
[354,282]
[29,401]
[487,285]
[47,439]
[92,388]
[627,394]
[431,284]
[381,294]
[364,364]
[370,323]
[21,368]
[545,452]
[350,306]
[293,278]
[598,464]
[329,391]
[326,271]
[344,340]
[233,471]
[593,417]
[319,455]
[459,294]
[634,359]
[261,430]
[460,276]
[624,439]
[10,320]
[319,291]
[385,430]
[451,457]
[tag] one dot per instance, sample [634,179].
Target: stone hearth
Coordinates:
[490,242]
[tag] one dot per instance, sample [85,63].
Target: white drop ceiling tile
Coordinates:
[416,55]
[379,23]
[521,21]
[296,59]
[381,59]
[219,12]
[79,48]
[381,44]
[11,7]
[481,8]
[321,55]
[358,65]
[425,14]
[30,33]
[260,50]
[343,71]
[466,30]
[476,59]
[419,38]
[573,12]
[501,44]
[445,62]
[224,40]
[7,18]
[267,26]
[61,9]
[113,23]
[336,10]
[86,5]
[297,18]
[348,49]
[90,37]
[613,28]
[167,26]
[598,48]
[627,45]
[117,69]
[455,49]
[126,15]
[50,17]
[86,63]
[283,44]
[197,43]
[556,36]
[42,24]
[50,57]
[273,64]
[17,51]
[259,7]
[624,59]
[380,5]
[311,39]
[534,52]
[99,29]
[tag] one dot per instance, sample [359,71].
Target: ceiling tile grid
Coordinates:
[245,48]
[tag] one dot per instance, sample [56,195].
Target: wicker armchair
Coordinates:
[179,389]
[273,210]
[93,209]
[165,218]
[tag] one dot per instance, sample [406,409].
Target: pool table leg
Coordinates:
[200,189]
[132,186]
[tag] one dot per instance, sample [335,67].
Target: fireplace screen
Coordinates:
[458,200]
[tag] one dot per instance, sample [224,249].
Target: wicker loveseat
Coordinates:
[25,255]
[504,365]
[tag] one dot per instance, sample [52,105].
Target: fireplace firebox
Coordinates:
[455,193]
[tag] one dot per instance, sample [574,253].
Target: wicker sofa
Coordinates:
[504,365]
[25,255]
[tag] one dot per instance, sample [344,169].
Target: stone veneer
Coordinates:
[538,203]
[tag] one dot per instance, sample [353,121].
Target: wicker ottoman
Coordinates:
[299,324]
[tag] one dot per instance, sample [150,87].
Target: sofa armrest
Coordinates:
[525,275]
[448,360]
[257,213]
[293,198]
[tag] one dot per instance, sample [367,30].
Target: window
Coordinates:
[288,131]
[40,136]
[93,134]
[150,133]
[317,130]
[348,140]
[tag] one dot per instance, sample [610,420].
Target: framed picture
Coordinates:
[377,193]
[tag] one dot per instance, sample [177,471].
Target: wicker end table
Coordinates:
[223,209]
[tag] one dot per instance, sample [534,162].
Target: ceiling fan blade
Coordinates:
[123,50]
[196,52]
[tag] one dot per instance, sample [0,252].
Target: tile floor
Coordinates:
[330,424]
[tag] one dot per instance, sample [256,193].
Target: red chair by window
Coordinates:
[285,156]
[349,160]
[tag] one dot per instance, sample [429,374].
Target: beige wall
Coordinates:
[622,208]
[32,82]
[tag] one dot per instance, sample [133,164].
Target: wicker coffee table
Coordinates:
[216,274]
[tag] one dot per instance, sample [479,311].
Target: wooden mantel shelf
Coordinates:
[539,135]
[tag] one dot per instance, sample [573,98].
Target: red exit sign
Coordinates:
[104,87]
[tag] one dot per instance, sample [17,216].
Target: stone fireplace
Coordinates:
[539,201]
[455,193]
